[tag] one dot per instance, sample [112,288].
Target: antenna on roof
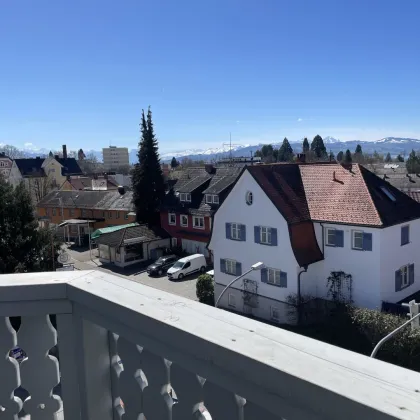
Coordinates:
[230,147]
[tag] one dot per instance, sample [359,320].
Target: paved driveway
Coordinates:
[184,287]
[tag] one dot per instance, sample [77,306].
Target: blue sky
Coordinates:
[79,72]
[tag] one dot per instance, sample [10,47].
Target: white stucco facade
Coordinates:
[373,271]
[15,177]
[263,213]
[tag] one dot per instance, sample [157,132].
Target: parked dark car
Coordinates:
[161,265]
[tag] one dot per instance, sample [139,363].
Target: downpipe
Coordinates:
[299,294]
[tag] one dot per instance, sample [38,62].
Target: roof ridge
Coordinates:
[367,189]
[122,236]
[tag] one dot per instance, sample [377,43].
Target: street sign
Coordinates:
[63,258]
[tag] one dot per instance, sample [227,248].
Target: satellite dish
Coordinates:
[63,258]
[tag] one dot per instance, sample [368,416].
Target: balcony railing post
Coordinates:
[94,370]
[69,379]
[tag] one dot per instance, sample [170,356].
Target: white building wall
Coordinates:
[394,256]
[364,266]
[195,247]
[15,177]
[261,213]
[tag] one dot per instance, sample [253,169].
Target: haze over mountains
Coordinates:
[393,145]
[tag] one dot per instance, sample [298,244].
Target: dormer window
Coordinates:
[212,199]
[185,197]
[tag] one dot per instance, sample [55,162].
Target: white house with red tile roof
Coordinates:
[319,218]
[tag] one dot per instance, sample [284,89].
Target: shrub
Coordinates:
[205,289]
[402,349]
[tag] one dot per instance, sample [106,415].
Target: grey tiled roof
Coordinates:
[223,179]
[199,182]
[99,200]
[143,232]
[191,185]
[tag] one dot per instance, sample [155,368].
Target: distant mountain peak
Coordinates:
[331,140]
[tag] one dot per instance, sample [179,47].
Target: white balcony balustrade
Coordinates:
[166,357]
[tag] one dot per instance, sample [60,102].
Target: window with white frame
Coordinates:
[265,235]
[172,218]
[212,199]
[404,276]
[275,313]
[185,197]
[126,216]
[71,212]
[109,215]
[357,239]
[231,300]
[235,231]
[2,163]
[184,220]
[53,212]
[118,215]
[198,222]
[230,267]
[330,237]
[273,276]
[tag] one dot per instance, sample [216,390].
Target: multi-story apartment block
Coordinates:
[115,157]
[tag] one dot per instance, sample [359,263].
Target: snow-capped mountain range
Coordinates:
[393,145]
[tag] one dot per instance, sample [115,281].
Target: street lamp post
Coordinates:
[254,267]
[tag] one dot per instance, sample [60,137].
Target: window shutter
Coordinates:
[238,268]
[273,236]
[367,242]
[339,238]
[398,280]
[222,265]
[228,231]
[257,234]
[243,233]
[283,279]
[411,274]
[264,275]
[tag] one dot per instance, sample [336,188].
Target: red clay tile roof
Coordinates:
[415,195]
[335,194]
[328,192]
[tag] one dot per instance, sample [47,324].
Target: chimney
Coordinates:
[121,189]
[56,156]
[209,168]
[301,158]
[64,151]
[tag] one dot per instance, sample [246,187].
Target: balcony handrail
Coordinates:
[289,375]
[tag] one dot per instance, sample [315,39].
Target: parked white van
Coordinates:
[187,265]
